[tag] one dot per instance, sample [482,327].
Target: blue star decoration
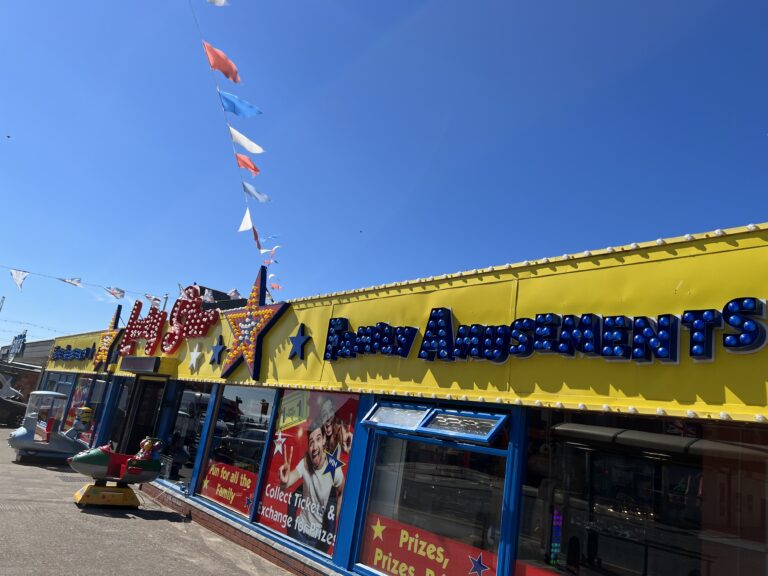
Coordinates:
[217,350]
[333,463]
[477,565]
[297,343]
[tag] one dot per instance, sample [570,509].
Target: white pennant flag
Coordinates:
[218,3]
[240,139]
[234,294]
[247,224]
[72,281]
[118,293]
[18,277]
[208,296]
[253,193]
[154,301]
[270,251]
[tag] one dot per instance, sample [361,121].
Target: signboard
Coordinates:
[308,466]
[231,486]
[392,547]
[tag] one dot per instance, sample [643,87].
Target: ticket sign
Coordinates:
[391,547]
[231,486]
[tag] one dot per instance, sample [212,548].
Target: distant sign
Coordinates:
[17,346]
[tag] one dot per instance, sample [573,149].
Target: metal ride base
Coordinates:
[100,493]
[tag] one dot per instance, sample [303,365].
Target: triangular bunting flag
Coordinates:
[18,277]
[118,293]
[256,237]
[154,301]
[207,296]
[219,61]
[232,103]
[241,140]
[73,281]
[244,162]
[247,223]
[218,3]
[255,194]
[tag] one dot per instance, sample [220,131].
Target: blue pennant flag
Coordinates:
[232,103]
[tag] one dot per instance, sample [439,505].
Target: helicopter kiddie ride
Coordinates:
[105,466]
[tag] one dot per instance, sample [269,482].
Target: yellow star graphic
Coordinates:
[205,483]
[378,530]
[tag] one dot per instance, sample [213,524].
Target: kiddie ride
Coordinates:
[106,466]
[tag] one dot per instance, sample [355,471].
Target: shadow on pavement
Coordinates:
[134,513]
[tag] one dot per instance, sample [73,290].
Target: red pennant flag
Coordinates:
[244,162]
[219,61]
[256,237]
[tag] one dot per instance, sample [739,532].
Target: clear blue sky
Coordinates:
[404,139]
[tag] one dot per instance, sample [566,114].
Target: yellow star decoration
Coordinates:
[205,483]
[248,325]
[378,530]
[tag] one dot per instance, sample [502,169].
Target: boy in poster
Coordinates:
[320,473]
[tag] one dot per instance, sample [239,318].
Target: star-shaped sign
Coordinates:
[194,358]
[217,350]
[297,343]
[477,565]
[205,483]
[378,530]
[333,463]
[279,442]
[248,327]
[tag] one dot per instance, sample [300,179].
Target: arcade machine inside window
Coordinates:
[435,496]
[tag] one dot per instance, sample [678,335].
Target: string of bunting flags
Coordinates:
[232,104]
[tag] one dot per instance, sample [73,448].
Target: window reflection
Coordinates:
[616,495]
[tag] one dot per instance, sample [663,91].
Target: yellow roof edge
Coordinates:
[527,264]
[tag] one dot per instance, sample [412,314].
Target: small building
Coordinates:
[595,413]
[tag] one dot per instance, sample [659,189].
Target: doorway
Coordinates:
[144,413]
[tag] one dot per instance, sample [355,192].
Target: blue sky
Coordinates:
[403,139]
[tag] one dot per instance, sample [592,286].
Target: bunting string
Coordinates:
[19,276]
[219,61]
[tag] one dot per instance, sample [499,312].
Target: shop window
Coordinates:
[78,399]
[308,462]
[88,392]
[179,453]
[239,438]
[619,495]
[433,508]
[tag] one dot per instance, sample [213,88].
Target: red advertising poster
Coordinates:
[79,396]
[394,548]
[307,466]
[231,486]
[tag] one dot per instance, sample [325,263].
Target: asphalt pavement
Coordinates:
[43,533]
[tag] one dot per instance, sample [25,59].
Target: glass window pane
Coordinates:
[434,508]
[308,465]
[239,437]
[647,496]
[79,397]
[398,416]
[96,404]
[184,442]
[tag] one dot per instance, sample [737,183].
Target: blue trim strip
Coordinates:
[351,502]
[211,413]
[263,473]
[510,508]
